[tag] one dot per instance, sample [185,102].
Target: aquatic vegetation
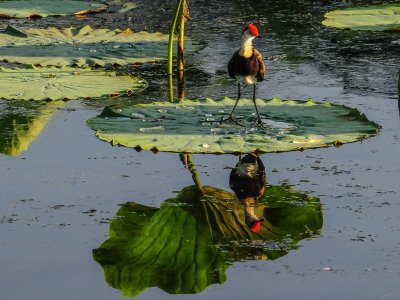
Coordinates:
[45,8]
[385,17]
[85,46]
[65,83]
[190,241]
[21,122]
[194,126]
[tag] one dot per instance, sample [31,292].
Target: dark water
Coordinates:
[59,196]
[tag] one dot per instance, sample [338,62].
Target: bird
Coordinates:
[247,66]
[248,179]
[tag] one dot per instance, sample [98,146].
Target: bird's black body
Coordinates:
[248,178]
[253,66]
[246,66]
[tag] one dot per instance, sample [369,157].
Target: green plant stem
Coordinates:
[172,35]
[171,88]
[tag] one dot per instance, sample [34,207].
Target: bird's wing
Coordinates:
[261,64]
[230,67]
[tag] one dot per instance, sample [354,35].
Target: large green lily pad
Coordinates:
[45,8]
[191,126]
[85,46]
[64,83]
[22,122]
[189,242]
[374,17]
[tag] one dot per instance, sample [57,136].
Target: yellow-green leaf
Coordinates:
[64,83]
[373,18]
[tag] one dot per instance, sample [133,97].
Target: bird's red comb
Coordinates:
[256,226]
[253,30]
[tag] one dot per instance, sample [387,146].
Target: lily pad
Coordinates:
[189,242]
[64,83]
[45,8]
[193,127]
[85,46]
[122,7]
[384,17]
[22,122]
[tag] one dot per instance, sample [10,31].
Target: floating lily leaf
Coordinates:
[192,127]
[22,122]
[64,83]
[85,46]
[374,17]
[190,241]
[124,7]
[45,8]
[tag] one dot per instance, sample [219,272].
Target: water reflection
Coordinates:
[21,122]
[189,242]
[247,180]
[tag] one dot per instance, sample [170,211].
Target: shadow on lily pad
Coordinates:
[189,242]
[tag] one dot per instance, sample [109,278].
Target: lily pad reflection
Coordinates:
[21,122]
[189,242]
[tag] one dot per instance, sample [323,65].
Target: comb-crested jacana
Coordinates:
[247,180]
[247,66]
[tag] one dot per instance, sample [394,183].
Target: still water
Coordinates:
[79,218]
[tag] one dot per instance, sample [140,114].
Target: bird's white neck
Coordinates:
[249,213]
[246,50]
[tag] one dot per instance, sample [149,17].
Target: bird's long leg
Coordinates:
[259,121]
[231,117]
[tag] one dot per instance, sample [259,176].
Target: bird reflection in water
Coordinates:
[189,241]
[247,180]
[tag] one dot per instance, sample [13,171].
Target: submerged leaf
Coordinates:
[190,241]
[85,46]
[373,17]
[290,125]
[45,8]
[64,83]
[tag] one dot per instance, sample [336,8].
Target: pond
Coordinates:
[65,193]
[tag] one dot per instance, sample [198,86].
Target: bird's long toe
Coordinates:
[260,123]
[231,120]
